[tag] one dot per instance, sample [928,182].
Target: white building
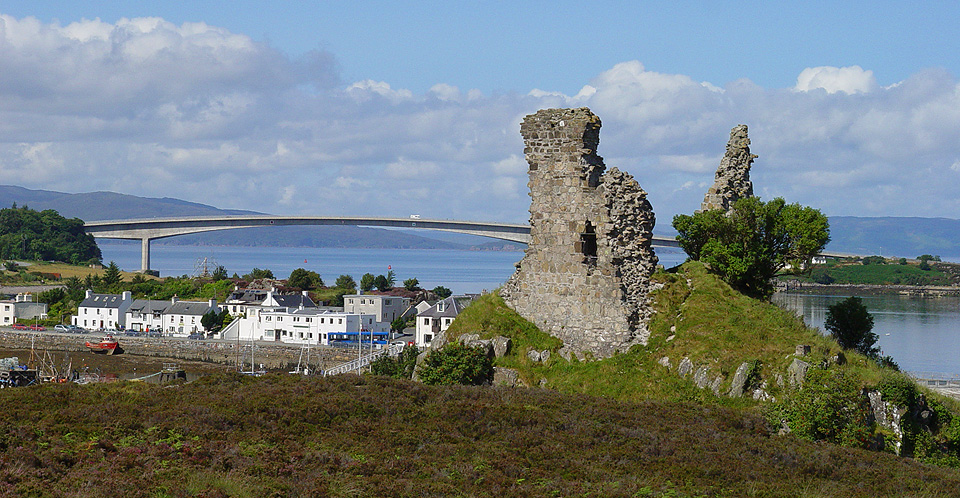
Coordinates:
[146,314]
[22,307]
[436,319]
[103,311]
[385,308]
[315,326]
[182,318]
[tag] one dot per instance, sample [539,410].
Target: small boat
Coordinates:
[107,345]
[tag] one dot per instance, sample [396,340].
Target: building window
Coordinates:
[428,338]
[426,321]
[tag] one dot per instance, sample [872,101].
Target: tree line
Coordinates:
[45,236]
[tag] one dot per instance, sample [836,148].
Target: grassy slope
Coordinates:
[351,436]
[712,325]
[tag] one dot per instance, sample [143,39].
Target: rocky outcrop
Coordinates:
[732,181]
[585,277]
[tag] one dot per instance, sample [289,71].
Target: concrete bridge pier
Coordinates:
[145,255]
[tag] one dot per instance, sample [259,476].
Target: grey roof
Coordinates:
[294,300]
[451,308]
[198,308]
[102,301]
[149,306]
[251,296]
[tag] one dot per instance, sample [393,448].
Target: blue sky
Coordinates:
[358,107]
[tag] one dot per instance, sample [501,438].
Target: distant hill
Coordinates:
[93,206]
[890,236]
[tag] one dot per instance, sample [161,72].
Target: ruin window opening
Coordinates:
[588,245]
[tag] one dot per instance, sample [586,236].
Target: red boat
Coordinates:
[107,345]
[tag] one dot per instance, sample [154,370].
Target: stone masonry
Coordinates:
[733,176]
[586,273]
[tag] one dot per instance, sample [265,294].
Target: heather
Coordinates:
[228,435]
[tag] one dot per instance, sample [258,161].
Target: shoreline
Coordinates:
[869,289]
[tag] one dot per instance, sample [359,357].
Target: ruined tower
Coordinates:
[732,181]
[586,273]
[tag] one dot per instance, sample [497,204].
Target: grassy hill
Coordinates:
[348,436]
[624,426]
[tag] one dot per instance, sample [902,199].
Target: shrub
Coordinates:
[398,367]
[851,325]
[457,364]
[828,407]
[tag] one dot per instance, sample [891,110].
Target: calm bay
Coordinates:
[922,334]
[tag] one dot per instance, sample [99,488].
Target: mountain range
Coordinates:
[887,236]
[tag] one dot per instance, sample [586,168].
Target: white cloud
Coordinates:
[146,107]
[849,80]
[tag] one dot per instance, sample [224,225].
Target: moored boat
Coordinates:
[107,345]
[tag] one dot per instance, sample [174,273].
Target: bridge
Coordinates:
[146,230]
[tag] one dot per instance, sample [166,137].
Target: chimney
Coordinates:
[88,294]
[174,299]
[213,303]
[126,296]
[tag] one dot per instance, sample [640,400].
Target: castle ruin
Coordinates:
[586,274]
[732,180]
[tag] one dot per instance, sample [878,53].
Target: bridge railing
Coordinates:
[935,379]
[363,361]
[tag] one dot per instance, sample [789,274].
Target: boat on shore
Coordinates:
[107,345]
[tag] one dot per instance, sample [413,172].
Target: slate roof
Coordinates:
[102,301]
[451,308]
[249,296]
[148,306]
[294,301]
[189,308]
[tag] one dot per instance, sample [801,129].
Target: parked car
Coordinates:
[197,336]
[131,333]
[19,326]
[62,328]
[36,328]
[154,333]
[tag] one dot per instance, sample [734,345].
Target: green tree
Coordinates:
[399,367]
[391,278]
[219,273]
[257,273]
[346,282]
[111,275]
[210,320]
[748,246]
[851,325]
[456,363]
[381,283]
[304,279]
[411,284]
[442,292]
[398,324]
[367,282]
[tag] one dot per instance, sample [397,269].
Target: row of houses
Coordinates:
[266,315]
[120,311]
[21,308]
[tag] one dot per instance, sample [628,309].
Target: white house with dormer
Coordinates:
[103,311]
[436,319]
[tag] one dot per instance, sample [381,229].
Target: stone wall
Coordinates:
[586,273]
[732,180]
